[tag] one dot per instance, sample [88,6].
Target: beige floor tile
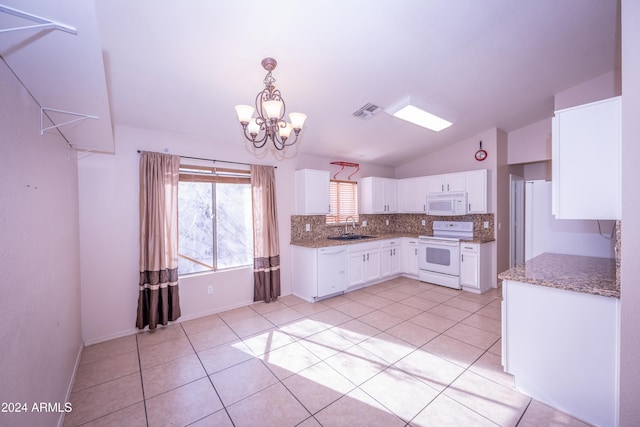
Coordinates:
[326,343]
[309,308]
[250,325]
[331,317]
[401,393]
[394,295]
[239,313]
[104,370]
[291,300]
[355,309]
[272,407]
[448,291]
[357,409]
[336,301]
[224,356]
[539,414]
[387,347]
[446,412]
[356,331]
[412,333]
[357,364]
[203,324]
[490,366]
[212,337]
[450,313]
[170,375]
[159,335]
[374,301]
[103,399]
[242,380]
[264,342]
[318,386]
[288,360]
[493,311]
[485,323]
[183,405]
[302,328]
[263,307]
[502,405]
[164,352]
[380,320]
[310,422]
[217,419]
[420,303]
[474,336]
[464,304]
[455,351]
[430,369]
[433,322]
[283,316]
[104,350]
[434,296]
[131,416]
[485,298]
[401,310]
[496,348]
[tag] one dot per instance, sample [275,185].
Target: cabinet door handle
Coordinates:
[367,257]
[462,257]
[416,251]
[469,207]
[362,257]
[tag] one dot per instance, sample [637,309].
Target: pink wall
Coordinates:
[602,87]
[530,143]
[39,258]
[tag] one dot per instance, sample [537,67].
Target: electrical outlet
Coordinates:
[210,290]
[486,224]
[387,222]
[424,222]
[307,227]
[364,223]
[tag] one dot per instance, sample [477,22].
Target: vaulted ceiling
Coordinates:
[183,66]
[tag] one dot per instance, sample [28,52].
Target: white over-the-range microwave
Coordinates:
[446,204]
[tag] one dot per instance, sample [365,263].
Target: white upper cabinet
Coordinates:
[312,192]
[412,195]
[477,197]
[586,162]
[377,195]
[447,183]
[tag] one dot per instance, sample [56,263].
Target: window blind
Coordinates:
[344,200]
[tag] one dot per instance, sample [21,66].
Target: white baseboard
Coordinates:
[71,382]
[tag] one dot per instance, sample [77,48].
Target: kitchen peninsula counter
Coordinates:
[590,275]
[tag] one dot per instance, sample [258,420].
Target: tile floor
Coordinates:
[400,353]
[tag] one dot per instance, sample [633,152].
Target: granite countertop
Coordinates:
[590,275]
[323,243]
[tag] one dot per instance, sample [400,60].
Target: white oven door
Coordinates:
[440,256]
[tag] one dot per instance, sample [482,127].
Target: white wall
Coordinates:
[39,259]
[531,143]
[109,186]
[630,291]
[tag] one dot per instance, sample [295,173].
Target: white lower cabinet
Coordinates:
[475,267]
[410,257]
[363,262]
[390,258]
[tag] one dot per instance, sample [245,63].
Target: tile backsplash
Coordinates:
[377,224]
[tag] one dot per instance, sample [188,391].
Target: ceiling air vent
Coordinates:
[367,111]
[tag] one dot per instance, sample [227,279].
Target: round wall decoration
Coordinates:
[481,154]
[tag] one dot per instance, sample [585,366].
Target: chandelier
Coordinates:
[270,107]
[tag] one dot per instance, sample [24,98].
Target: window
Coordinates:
[215,222]
[343,200]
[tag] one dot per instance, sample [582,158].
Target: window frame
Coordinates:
[338,214]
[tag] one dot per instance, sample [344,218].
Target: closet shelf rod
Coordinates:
[43,22]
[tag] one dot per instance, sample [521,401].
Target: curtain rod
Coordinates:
[214,160]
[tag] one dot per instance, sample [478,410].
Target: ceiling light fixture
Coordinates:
[271,109]
[414,111]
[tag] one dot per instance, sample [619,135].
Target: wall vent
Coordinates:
[367,111]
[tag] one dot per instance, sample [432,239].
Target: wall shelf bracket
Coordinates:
[41,22]
[78,117]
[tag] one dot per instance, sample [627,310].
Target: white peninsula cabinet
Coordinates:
[586,162]
[475,267]
[312,192]
[377,195]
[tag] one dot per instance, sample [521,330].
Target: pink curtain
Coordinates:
[266,245]
[158,301]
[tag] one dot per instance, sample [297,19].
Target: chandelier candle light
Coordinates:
[271,109]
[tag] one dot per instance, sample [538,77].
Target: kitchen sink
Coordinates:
[351,237]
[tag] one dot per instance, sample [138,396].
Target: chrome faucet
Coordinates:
[346,225]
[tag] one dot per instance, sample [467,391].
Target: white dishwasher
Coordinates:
[332,270]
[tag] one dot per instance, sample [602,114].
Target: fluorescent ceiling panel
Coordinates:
[416,112]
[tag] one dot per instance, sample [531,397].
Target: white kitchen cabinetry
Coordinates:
[586,164]
[412,195]
[410,257]
[447,183]
[477,197]
[390,258]
[318,273]
[312,192]
[475,267]
[363,263]
[562,347]
[377,195]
